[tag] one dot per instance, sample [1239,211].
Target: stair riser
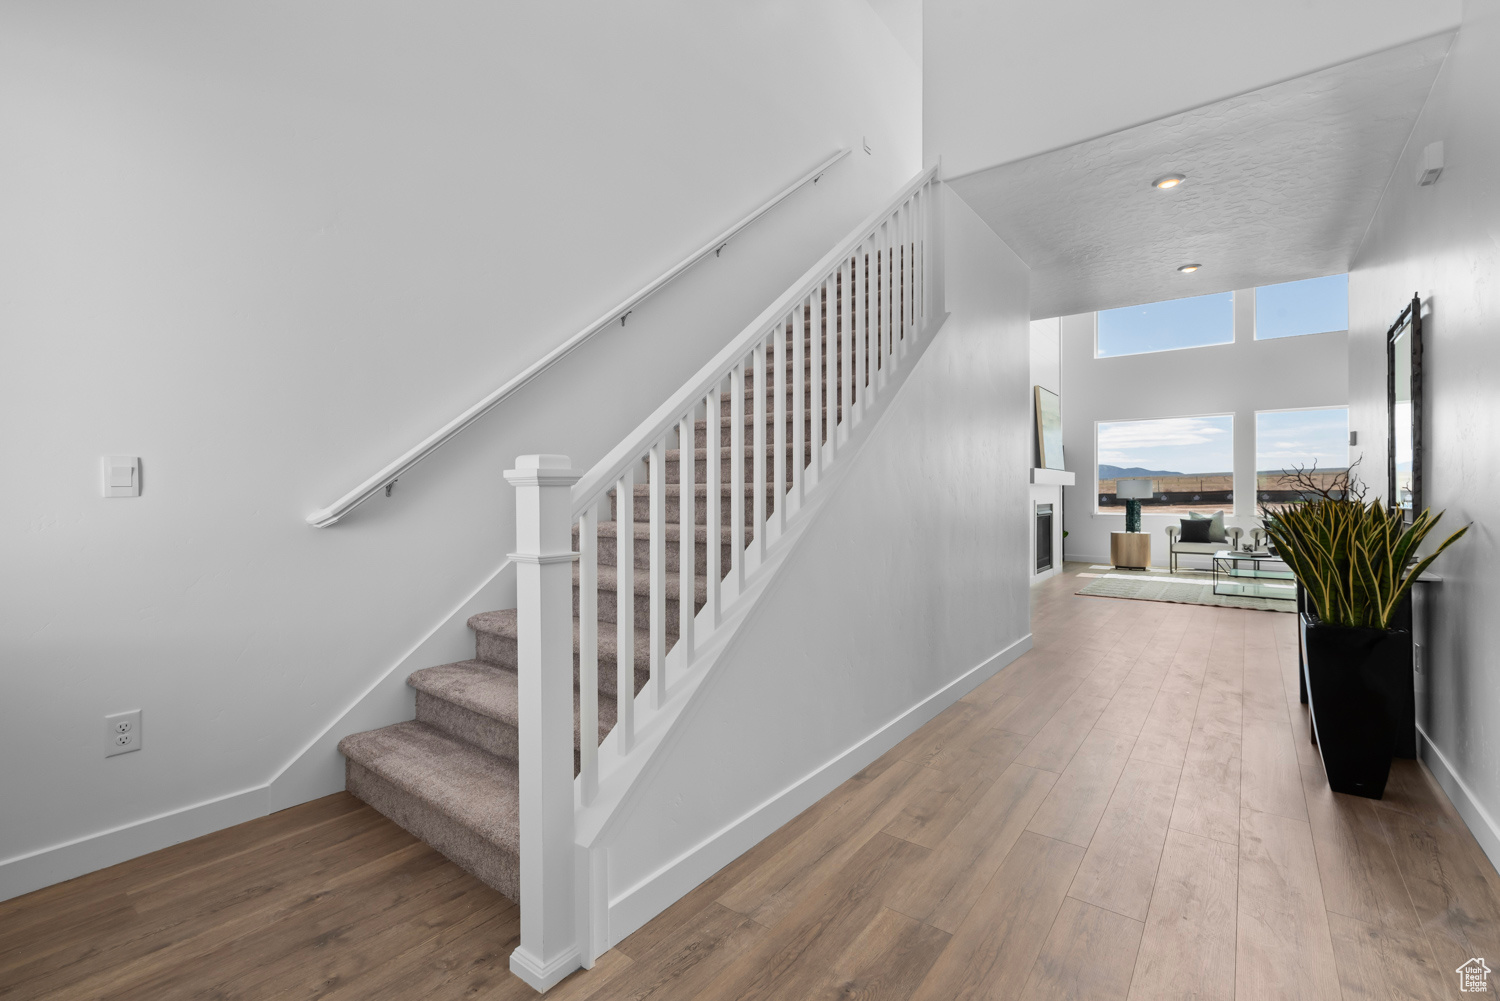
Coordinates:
[700,472]
[501,651]
[788,390]
[492,735]
[494,866]
[609,554]
[641,509]
[608,612]
[700,429]
[790,412]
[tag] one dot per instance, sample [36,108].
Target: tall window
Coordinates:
[1190,461]
[1314,306]
[1165,326]
[1286,440]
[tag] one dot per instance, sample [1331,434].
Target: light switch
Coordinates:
[121,475]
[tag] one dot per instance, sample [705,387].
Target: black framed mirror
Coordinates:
[1403,366]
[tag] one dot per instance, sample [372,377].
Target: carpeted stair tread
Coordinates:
[474,685]
[701,489]
[500,628]
[491,691]
[475,789]
[791,417]
[502,622]
[611,530]
[726,453]
[609,581]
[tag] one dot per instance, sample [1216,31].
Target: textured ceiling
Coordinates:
[1282,183]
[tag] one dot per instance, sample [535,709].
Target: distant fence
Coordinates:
[1211,490]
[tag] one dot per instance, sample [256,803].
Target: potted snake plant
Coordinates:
[1356,562]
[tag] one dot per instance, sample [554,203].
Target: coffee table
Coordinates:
[1253,575]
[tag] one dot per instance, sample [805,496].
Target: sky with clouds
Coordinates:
[1173,444]
[1287,438]
[1193,322]
[1206,444]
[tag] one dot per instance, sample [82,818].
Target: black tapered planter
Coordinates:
[1354,687]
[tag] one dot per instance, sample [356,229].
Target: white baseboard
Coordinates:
[316,770]
[55,863]
[654,894]
[1483,826]
[542,977]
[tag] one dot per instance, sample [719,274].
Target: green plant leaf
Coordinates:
[1356,561]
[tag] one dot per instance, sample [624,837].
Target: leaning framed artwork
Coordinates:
[1049,437]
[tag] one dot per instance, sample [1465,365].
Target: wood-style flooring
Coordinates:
[1132,810]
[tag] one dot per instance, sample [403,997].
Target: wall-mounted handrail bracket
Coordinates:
[389,487]
[331,514]
[625,316]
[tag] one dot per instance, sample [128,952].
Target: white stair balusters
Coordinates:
[656,486]
[624,488]
[853,319]
[737,477]
[687,529]
[713,518]
[799,410]
[588,653]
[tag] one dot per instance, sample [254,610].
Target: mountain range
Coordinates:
[1107,472]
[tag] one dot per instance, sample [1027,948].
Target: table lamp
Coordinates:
[1132,492]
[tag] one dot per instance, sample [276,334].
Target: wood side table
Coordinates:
[1130,550]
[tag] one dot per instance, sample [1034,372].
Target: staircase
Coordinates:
[450,775]
[705,496]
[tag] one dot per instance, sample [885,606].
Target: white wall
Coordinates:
[904,18]
[1240,378]
[1443,242]
[1046,359]
[912,580]
[269,246]
[1004,81]
[1046,371]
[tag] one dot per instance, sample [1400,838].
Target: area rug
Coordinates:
[1185,587]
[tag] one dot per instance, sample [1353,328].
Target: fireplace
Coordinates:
[1043,538]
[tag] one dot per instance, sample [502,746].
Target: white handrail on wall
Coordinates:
[331,514]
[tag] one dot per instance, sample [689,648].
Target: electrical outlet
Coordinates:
[122,733]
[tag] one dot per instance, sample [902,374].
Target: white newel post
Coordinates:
[544,610]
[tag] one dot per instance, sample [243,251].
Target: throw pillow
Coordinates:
[1194,530]
[1215,522]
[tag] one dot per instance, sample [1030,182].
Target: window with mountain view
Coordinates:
[1285,440]
[1314,306]
[1190,461]
[1194,322]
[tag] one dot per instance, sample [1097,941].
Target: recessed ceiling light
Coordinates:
[1169,181]
[1189,268]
